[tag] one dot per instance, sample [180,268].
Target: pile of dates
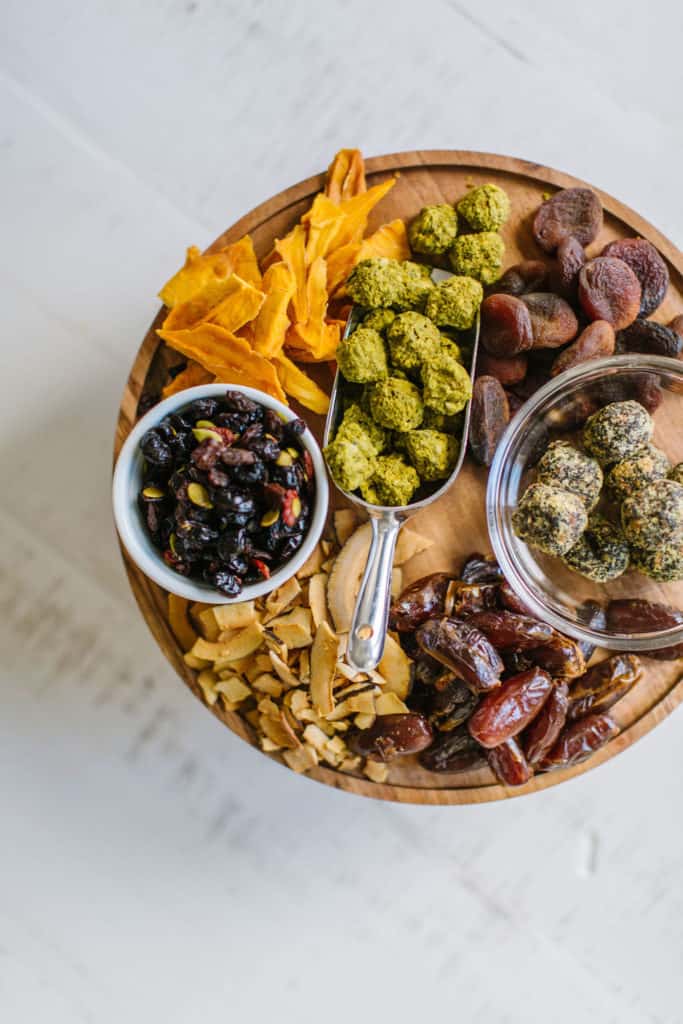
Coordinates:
[494,685]
[541,318]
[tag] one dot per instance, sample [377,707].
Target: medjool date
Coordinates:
[579,740]
[603,685]
[647,265]
[489,417]
[478,569]
[509,764]
[468,598]
[632,615]
[505,326]
[561,657]
[651,338]
[553,321]
[573,212]
[593,615]
[450,703]
[595,342]
[510,600]
[464,650]
[540,736]
[507,710]
[424,599]
[509,631]
[453,751]
[392,736]
[609,290]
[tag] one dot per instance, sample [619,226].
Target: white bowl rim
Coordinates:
[131,532]
[654,640]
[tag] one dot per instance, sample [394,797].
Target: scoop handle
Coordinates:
[371,614]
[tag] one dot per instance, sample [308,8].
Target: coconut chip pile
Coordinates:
[280,661]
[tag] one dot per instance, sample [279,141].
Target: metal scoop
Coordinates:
[371,614]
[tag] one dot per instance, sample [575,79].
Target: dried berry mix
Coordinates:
[227,491]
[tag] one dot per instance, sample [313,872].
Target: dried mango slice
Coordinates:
[201,269]
[239,307]
[325,220]
[228,357]
[196,273]
[391,241]
[357,210]
[299,385]
[299,344]
[340,263]
[310,331]
[190,377]
[345,175]
[236,300]
[270,326]
[292,249]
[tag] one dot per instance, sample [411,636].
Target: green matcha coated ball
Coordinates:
[412,338]
[396,404]
[455,302]
[478,256]
[485,208]
[434,229]
[362,357]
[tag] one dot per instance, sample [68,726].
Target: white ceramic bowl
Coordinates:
[132,530]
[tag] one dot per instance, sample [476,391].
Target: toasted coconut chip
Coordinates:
[207,680]
[192,661]
[451,592]
[241,643]
[302,759]
[362,686]
[376,771]
[276,647]
[362,703]
[316,737]
[390,704]
[396,582]
[350,764]
[291,720]
[327,547]
[267,706]
[208,626]
[364,721]
[337,745]
[283,671]
[345,522]
[279,731]
[267,745]
[340,726]
[267,683]
[347,672]
[195,610]
[323,665]
[317,589]
[395,666]
[312,563]
[234,616]
[252,716]
[281,599]
[257,666]
[233,689]
[409,544]
[305,666]
[297,701]
[294,628]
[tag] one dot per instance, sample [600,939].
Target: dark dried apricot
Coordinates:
[505,326]
[571,256]
[647,336]
[553,321]
[609,290]
[595,342]
[507,371]
[527,276]
[489,417]
[647,265]
[572,211]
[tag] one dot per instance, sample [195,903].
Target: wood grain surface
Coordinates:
[457,522]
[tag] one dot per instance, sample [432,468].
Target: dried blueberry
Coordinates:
[203,409]
[155,449]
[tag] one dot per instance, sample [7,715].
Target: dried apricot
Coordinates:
[677,324]
[507,371]
[527,276]
[505,326]
[609,290]
[571,256]
[595,342]
[572,211]
[553,321]
[647,265]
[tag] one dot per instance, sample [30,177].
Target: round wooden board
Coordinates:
[457,522]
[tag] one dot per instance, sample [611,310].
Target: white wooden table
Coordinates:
[152,867]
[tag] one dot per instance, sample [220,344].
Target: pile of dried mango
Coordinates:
[238,322]
[279,661]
